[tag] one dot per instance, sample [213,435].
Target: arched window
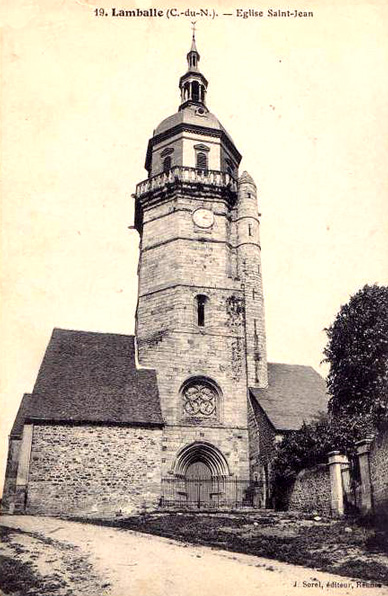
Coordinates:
[201,161]
[195,91]
[167,164]
[201,307]
[229,166]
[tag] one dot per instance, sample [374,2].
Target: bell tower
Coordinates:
[200,317]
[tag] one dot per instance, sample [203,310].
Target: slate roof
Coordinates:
[190,115]
[92,377]
[294,394]
[17,429]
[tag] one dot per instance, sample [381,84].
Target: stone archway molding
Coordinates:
[201,451]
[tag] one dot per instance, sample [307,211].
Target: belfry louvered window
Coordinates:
[201,161]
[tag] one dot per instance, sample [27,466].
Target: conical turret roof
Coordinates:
[246,178]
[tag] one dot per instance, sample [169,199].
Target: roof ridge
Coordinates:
[61,329]
[291,364]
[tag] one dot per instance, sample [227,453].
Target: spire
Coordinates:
[193,46]
[193,84]
[193,56]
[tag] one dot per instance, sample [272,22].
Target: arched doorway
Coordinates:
[201,471]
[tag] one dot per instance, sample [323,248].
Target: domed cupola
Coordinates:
[193,84]
[191,145]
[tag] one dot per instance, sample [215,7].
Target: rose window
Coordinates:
[200,400]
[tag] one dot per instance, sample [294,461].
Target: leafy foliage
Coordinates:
[357,351]
[302,448]
[358,355]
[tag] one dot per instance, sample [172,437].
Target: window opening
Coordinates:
[250,229]
[256,371]
[201,302]
[201,161]
[195,90]
[167,164]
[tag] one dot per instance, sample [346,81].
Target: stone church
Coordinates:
[185,413]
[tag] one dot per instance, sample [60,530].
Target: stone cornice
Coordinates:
[194,190]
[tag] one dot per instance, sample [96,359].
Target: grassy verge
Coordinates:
[341,547]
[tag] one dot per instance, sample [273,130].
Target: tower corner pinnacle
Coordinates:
[246,178]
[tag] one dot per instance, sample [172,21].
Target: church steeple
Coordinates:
[193,84]
[193,56]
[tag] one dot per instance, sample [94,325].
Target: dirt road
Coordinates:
[124,563]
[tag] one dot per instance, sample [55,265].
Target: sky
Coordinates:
[306,102]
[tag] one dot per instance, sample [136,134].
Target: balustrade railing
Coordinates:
[185,174]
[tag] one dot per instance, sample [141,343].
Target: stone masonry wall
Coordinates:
[231,442]
[378,460]
[180,260]
[262,440]
[250,273]
[10,475]
[92,470]
[311,490]
[254,445]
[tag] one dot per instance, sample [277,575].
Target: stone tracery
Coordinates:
[200,399]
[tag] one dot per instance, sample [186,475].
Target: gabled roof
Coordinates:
[295,394]
[17,429]
[92,377]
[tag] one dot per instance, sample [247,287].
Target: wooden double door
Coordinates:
[201,487]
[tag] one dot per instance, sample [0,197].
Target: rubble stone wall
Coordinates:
[90,469]
[311,490]
[378,460]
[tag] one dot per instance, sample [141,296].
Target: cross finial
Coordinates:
[193,28]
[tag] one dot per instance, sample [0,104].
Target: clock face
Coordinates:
[203,218]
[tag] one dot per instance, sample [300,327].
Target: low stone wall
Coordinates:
[311,490]
[378,461]
[93,470]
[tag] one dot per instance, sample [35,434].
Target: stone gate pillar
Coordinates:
[363,448]
[336,461]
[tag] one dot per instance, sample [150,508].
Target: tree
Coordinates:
[357,352]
